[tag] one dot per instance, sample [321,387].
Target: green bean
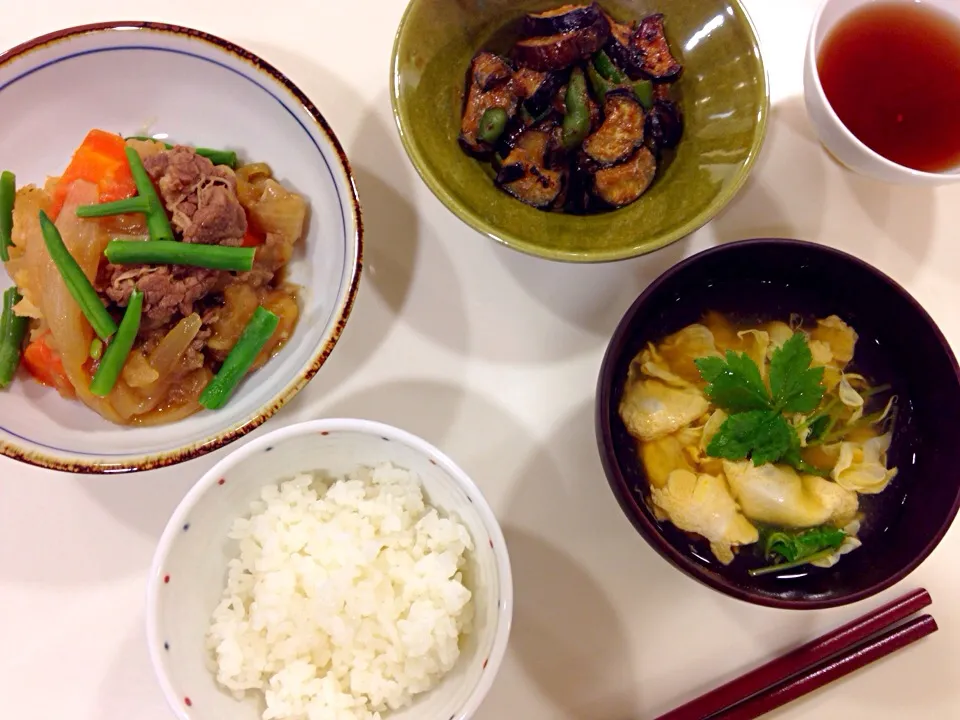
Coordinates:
[599,84]
[158,224]
[119,348]
[643,89]
[607,69]
[576,119]
[217,157]
[76,281]
[147,202]
[606,76]
[492,125]
[96,349]
[8,193]
[136,204]
[13,329]
[255,335]
[165,252]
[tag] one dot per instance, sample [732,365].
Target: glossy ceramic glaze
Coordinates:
[189,567]
[723,94]
[65,83]
[772,279]
[836,138]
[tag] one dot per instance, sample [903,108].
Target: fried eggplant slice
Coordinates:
[621,50]
[555,156]
[525,174]
[564,19]
[560,51]
[527,82]
[511,134]
[650,41]
[477,101]
[661,91]
[624,183]
[621,132]
[537,89]
[664,125]
[490,70]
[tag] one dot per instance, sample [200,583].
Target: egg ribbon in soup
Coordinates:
[760,435]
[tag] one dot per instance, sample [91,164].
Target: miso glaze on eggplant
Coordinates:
[526,172]
[554,44]
[584,109]
[621,133]
[650,41]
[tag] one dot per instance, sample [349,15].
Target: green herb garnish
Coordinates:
[735,382]
[796,387]
[790,547]
[757,428]
[793,549]
[762,435]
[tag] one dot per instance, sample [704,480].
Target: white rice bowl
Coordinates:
[347,598]
[191,578]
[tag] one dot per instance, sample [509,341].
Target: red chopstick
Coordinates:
[844,664]
[804,657]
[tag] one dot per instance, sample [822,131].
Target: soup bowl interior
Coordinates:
[723,94]
[201,91]
[190,566]
[898,343]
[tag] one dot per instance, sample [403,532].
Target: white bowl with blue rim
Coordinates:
[197,89]
[190,565]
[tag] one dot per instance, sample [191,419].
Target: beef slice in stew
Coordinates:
[201,197]
[167,289]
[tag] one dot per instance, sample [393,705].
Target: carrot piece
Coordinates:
[252,238]
[101,160]
[46,367]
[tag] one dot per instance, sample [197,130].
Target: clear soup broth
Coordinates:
[891,72]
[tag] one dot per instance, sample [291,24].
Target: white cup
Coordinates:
[836,138]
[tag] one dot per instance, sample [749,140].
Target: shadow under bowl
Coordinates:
[899,343]
[723,93]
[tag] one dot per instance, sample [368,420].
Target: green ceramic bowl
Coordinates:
[723,93]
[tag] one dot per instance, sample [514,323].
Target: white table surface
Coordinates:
[493,356]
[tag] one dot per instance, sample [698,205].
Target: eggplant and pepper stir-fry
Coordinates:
[148,277]
[578,117]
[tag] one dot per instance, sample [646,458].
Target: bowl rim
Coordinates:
[373,428]
[224,437]
[621,487]
[516,242]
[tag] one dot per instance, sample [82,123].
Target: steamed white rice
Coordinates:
[346,599]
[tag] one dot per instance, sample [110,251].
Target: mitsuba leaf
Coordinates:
[761,435]
[735,384]
[756,428]
[783,546]
[796,387]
